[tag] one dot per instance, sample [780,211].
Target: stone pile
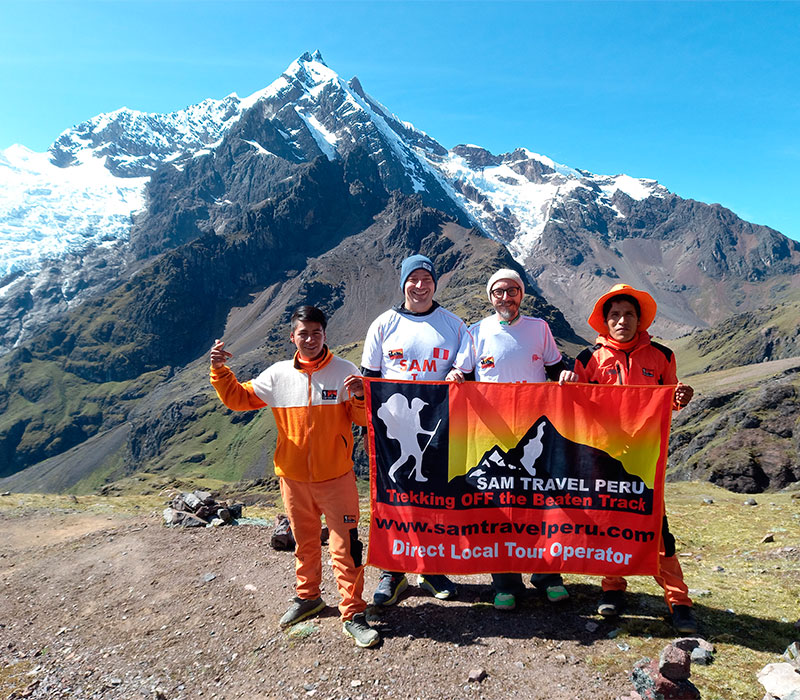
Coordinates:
[782,680]
[668,677]
[199,509]
[282,538]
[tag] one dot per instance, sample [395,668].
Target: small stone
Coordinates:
[674,663]
[718,569]
[476,675]
[519,665]
[250,587]
[623,646]
[780,679]
[690,643]
[676,690]
[5,493]
[769,537]
[792,654]
[355,684]
[709,501]
[700,656]
[591,626]
[751,502]
[209,577]
[561,658]
[699,592]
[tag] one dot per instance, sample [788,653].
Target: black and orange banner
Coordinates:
[480,478]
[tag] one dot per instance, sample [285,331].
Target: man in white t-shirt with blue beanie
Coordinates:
[510,347]
[416,340]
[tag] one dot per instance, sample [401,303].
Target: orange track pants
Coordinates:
[337,500]
[670,578]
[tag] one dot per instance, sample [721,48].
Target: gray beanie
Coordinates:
[504,274]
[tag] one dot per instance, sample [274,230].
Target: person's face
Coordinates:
[309,338]
[622,321]
[418,291]
[506,298]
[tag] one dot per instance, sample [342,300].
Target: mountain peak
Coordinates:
[311,70]
[315,57]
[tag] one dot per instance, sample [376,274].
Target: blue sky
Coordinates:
[704,97]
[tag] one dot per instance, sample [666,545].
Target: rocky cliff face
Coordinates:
[746,441]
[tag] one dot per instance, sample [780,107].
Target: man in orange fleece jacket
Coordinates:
[624,354]
[315,398]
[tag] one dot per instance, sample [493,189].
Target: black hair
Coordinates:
[621,297]
[309,313]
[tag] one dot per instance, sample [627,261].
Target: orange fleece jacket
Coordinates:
[312,410]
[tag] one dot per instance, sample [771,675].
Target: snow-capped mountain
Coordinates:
[174,176]
[92,179]
[137,239]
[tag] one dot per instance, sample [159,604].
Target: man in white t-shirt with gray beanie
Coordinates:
[510,347]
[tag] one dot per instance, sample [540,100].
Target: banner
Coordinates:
[492,478]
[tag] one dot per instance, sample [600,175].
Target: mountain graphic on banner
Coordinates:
[545,462]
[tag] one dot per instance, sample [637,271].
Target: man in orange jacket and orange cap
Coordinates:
[625,354]
[315,398]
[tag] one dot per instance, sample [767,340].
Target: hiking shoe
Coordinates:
[300,609]
[505,601]
[358,628]
[557,594]
[683,619]
[438,584]
[389,588]
[611,603]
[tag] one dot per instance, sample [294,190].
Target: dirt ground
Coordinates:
[96,606]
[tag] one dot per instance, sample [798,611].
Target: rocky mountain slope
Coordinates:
[308,191]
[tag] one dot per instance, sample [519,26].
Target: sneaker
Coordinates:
[611,603]
[300,609]
[439,585]
[389,588]
[358,628]
[505,601]
[557,594]
[683,619]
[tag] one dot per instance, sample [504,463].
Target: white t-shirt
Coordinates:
[421,348]
[513,353]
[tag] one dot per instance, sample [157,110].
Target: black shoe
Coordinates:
[439,585]
[611,603]
[683,619]
[390,586]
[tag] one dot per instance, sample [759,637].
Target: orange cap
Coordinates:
[646,303]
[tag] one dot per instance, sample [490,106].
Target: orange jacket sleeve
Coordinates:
[236,396]
[356,409]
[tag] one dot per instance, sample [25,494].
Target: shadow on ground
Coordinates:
[471,619]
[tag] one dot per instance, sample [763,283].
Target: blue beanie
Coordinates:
[415,262]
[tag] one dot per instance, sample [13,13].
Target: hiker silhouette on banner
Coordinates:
[403,423]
